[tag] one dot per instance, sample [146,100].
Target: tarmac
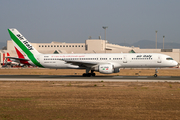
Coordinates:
[96,78]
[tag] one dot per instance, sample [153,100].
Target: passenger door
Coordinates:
[124,59]
[159,59]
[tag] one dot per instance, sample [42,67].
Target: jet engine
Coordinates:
[108,69]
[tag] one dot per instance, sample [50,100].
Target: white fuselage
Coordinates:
[121,60]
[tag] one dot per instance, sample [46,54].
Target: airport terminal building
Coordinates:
[90,46]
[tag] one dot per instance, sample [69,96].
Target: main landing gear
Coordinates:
[87,74]
[156,71]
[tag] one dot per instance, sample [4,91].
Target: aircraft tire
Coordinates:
[155,75]
[84,75]
[93,74]
[87,75]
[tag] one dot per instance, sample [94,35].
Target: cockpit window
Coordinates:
[169,59]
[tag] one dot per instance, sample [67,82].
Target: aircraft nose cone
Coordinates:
[175,63]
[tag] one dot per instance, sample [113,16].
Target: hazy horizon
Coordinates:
[74,21]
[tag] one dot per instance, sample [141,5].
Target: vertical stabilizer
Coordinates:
[8,55]
[23,46]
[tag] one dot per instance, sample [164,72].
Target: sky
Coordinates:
[73,21]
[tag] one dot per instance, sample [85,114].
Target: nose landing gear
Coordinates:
[156,71]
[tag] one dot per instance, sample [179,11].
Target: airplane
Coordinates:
[13,61]
[105,63]
[6,60]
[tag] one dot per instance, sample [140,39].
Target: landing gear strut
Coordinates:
[156,71]
[87,74]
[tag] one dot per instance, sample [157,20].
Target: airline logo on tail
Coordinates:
[24,45]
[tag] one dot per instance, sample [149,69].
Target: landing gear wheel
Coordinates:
[156,71]
[93,74]
[89,74]
[84,75]
[155,75]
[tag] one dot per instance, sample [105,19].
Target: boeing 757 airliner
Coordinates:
[106,63]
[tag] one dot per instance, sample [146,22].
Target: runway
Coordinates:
[97,78]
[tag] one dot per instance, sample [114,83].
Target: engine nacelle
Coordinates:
[108,69]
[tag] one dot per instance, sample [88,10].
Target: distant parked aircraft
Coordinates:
[12,61]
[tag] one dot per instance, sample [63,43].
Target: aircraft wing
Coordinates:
[15,58]
[81,63]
